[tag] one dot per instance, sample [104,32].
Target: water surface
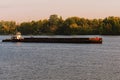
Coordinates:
[58,61]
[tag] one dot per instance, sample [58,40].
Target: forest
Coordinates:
[56,25]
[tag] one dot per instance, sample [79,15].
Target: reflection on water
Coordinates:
[56,61]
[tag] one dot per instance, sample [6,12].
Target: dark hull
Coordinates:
[56,40]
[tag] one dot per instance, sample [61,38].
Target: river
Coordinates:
[58,61]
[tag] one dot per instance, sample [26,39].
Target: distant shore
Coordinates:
[57,26]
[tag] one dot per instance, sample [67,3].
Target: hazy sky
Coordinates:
[27,10]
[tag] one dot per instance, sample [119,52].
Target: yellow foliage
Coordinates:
[74,25]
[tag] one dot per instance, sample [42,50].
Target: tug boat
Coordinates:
[19,38]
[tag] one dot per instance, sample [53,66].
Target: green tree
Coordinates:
[26,28]
[44,28]
[8,27]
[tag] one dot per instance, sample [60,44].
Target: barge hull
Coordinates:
[56,40]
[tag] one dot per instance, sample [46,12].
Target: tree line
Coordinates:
[55,25]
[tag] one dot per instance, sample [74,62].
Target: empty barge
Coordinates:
[18,38]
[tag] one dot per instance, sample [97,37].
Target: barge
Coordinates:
[19,38]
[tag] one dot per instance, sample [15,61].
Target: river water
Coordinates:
[58,61]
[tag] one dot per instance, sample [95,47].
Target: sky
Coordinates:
[28,10]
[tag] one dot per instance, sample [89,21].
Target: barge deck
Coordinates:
[18,38]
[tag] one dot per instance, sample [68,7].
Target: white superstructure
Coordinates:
[17,36]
